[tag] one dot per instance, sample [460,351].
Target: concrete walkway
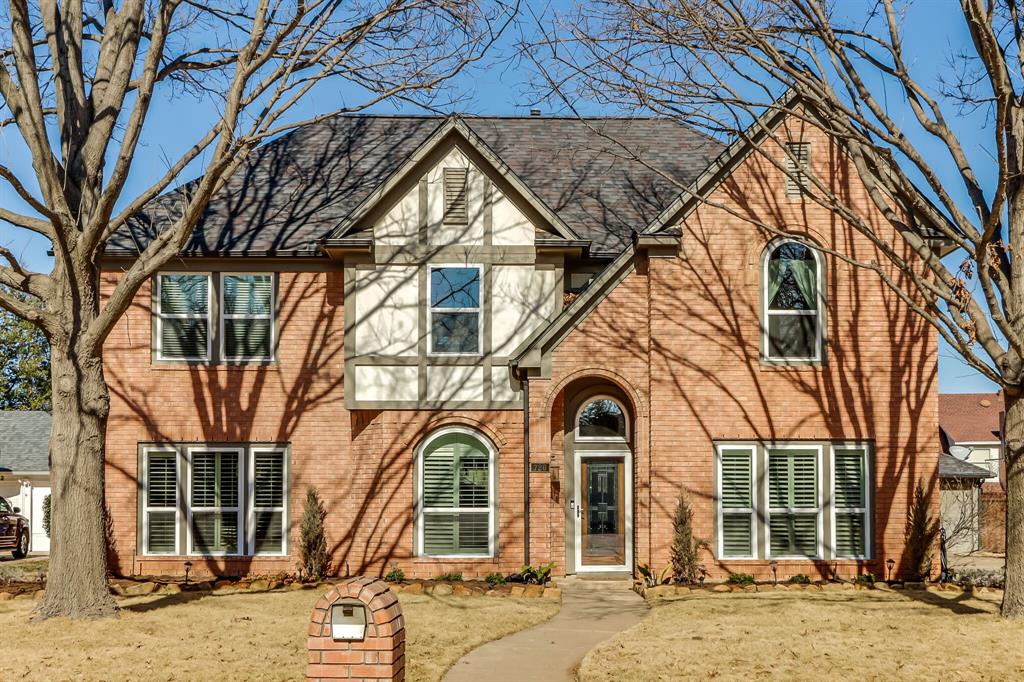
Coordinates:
[592,611]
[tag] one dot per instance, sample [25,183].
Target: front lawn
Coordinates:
[855,635]
[203,636]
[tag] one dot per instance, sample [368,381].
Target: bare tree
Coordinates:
[733,66]
[77,83]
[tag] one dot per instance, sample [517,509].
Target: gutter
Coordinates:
[514,365]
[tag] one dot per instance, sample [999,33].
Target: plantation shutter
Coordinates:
[184,319]
[161,502]
[268,502]
[248,316]
[456,496]
[797,164]
[850,502]
[455,202]
[737,502]
[793,502]
[215,502]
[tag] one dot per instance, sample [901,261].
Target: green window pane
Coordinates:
[850,535]
[215,479]
[850,479]
[184,295]
[162,483]
[184,338]
[250,339]
[793,478]
[794,535]
[248,294]
[456,475]
[161,532]
[269,532]
[737,539]
[456,533]
[736,479]
[215,531]
[268,479]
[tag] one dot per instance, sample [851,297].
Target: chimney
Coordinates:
[534,112]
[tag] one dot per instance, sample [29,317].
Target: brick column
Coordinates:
[379,656]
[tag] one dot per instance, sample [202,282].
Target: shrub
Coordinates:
[46,515]
[867,578]
[740,579]
[800,579]
[921,532]
[494,579]
[536,575]
[450,577]
[685,548]
[395,575]
[980,577]
[313,540]
[650,578]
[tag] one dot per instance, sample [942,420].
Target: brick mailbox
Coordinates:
[357,632]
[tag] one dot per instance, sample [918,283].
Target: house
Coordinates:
[25,468]
[971,426]
[497,341]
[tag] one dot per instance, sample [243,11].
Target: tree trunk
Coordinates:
[76,585]
[1013,437]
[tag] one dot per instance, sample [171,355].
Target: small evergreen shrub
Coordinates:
[740,579]
[800,579]
[449,578]
[922,529]
[315,560]
[495,579]
[685,548]
[395,575]
[46,515]
[866,578]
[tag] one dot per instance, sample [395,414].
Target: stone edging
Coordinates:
[668,591]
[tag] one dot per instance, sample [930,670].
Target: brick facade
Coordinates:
[679,338]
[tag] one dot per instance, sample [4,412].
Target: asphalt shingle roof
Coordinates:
[951,467]
[970,417]
[24,441]
[293,191]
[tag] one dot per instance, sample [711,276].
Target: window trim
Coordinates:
[600,439]
[784,511]
[722,510]
[161,316]
[419,509]
[270,317]
[865,450]
[479,310]
[144,492]
[251,508]
[242,503]
[767,312]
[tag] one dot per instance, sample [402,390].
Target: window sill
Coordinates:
[246,366]
[791,365]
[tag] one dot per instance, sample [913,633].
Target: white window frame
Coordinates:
[865,450]
[601,439]
[270,317]
[722,510]
[251,508]
[785,511]
[161,316]
[819,311]
[239,546]
[419,510]
[146,452]
[479,310]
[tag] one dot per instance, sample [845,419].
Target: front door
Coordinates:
[603,512]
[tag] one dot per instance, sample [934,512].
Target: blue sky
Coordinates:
[501,85]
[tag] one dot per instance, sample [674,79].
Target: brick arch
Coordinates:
[625,385]
[756,248]
[436,423]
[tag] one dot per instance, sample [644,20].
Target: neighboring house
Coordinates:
[490,341]
[960,503]
[25,468]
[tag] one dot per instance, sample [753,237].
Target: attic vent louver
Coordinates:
[455,211]
[798,161]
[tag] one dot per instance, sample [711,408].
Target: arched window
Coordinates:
[792,303]
[602,419]
[455,494]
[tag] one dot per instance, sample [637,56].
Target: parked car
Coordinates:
[14,530]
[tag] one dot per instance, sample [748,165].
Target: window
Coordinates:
[792,303]
[268,492]
[160,496]
[455,310]
[234,500]
[736,495]
[793,502]
[601,419]
[456,500]
[455,205]
[183,317]
[247,329]
[798,162]
[850,502]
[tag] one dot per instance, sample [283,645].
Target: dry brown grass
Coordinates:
[237,637]
[862,635]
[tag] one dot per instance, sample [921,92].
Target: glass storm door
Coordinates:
[601,521]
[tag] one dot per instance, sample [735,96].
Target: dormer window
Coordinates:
[455,327]
[455,209]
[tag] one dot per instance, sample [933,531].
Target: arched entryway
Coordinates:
[599,459]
